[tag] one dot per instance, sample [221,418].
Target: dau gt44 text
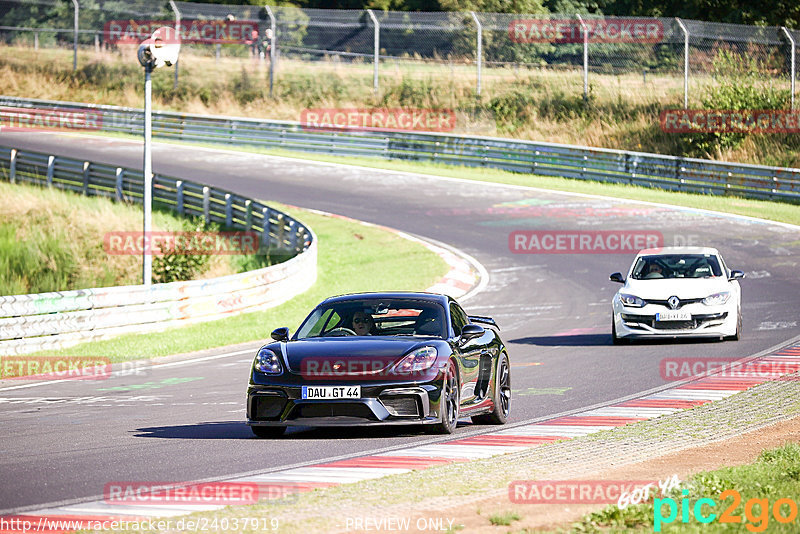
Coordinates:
[677,291]
[377,359]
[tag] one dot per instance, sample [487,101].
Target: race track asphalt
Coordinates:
[65,441]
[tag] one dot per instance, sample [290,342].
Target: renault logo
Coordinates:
[674,302]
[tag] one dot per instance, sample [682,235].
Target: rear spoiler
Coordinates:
[483,319]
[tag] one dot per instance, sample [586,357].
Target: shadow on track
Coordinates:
[239,430]
[599,340]
[577,340]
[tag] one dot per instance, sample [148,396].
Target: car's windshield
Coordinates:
[676,266]
[375,317]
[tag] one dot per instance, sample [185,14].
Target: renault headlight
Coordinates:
[631,301]
[717,299]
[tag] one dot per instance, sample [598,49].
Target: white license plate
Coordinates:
[331,392]
[674,316]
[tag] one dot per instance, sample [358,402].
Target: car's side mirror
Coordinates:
[280,334]
[617,277]
[736,275]
[469,331]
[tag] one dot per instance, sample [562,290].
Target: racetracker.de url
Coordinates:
[202,524]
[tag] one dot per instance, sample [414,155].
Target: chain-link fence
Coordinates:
[586,52]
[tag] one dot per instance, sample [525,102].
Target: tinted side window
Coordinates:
[458,318]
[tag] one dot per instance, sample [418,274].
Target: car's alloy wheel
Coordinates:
[449,404]
[268,431]
[502,396]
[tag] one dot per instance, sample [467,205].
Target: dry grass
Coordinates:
[523,103]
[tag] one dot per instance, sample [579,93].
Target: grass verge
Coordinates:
[53,240]
[352,257]
[775,475]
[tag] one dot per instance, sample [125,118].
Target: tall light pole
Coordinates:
[161,49]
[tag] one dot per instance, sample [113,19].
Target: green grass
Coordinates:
[52,240]
[504,519]
[352,258]
[774,475]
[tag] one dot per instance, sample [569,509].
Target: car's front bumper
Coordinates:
[386,404]
[706,321]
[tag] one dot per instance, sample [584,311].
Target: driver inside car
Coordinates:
[654,271]
[362,324]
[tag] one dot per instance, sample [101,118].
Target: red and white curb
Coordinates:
[687,394]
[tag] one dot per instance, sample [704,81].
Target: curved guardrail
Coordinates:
[549,159]
[48,321]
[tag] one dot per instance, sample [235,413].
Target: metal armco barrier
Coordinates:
[548,159]
[49,321]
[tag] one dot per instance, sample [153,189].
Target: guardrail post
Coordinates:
[792,66]
[272,45]
[96,43]
[479,51]
[179,196]
[77,9]
[281,231]
[120,175]
[293,235]
[86,167]
[265,238]
[12,166]
[50,164]
[248,214]
[585,32]
[228,210]
[36,40]
[685,63]
[207,204]
[377,45]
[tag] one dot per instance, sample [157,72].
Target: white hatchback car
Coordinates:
[677,291]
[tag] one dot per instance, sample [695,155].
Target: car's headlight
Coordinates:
[268,362]
[421,359]
[717,299]
[631,300]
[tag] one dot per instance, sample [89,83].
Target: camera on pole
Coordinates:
[161,49]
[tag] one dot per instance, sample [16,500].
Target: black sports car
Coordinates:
[381,358]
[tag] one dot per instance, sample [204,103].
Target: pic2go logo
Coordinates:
[755,522]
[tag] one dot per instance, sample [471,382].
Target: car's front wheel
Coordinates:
[502,396]
[449,403]
[268,431]
[738,335]
[614,339]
